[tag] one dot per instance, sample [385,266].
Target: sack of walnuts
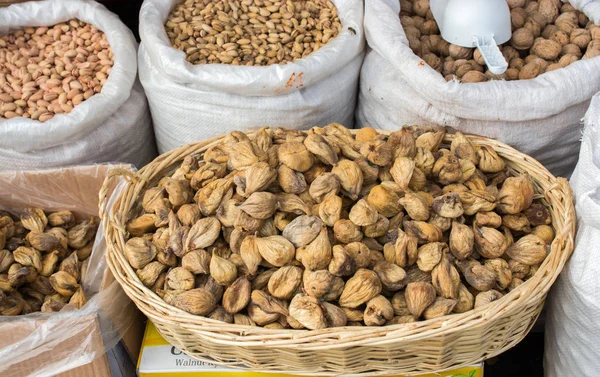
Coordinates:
[412,76]
[573,317]
[60,307]
[69,93]
[211,67]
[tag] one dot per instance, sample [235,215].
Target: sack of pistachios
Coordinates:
[211,67]
[69,92]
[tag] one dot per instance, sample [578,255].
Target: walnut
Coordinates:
[522,39]
[546,48]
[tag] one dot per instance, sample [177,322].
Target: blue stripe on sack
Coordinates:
[584,4]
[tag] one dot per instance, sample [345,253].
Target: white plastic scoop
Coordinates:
[476,23]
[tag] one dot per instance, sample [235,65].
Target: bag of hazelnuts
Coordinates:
[60,307]
[411,75]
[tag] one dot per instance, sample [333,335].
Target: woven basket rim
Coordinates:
[557,192]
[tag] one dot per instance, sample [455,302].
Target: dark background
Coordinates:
[127,10]
[524,360]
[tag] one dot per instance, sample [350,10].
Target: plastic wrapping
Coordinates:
[195,102]
[572,337]
[45,344]
[113,125]
[540,117]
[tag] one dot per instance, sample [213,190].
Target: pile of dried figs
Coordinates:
[43,260]
[324,228]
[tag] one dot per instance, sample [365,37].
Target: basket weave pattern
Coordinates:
[410,349]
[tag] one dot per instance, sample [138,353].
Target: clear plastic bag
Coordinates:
[46,344]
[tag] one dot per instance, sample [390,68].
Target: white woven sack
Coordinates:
[540,117]
[195,102]
[572,344]
[112,126]
[589,7]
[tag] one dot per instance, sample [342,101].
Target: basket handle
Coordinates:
[103,195]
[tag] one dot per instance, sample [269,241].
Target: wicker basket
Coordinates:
[434,345]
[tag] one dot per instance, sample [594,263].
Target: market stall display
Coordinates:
[271,237]
[69,90]
[540,116]
[348,277]
[192,102]
[68,332]
[572,340]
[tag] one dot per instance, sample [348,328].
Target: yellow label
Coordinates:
[159,359]
[152,337]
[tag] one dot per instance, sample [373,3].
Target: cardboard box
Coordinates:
[75,189]
[160,359]
[120,363]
